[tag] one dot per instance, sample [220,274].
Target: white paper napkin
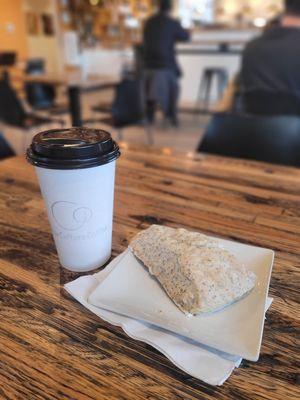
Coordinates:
[199,361]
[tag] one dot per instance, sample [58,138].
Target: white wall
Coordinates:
[103,61]
[192,67]
[42,46]
[109,62]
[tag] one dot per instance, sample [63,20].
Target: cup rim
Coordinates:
[47,152]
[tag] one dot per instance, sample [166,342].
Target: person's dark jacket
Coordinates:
[160,36]
[270,73]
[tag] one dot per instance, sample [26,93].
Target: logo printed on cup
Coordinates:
[70,216]
[77,236]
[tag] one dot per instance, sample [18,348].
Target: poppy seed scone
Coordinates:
[197,274]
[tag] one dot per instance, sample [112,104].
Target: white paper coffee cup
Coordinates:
[76,171]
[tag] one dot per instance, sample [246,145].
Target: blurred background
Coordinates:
[84,62]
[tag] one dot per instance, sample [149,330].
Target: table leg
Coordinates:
[75,105]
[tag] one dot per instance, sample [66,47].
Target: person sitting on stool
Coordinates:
[161,33]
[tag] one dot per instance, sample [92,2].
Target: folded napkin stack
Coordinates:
[200,361]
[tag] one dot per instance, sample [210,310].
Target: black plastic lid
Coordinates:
[73,148]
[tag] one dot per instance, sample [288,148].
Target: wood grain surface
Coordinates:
[51,347]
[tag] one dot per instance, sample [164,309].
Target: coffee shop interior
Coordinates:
[149,199]
[89,63]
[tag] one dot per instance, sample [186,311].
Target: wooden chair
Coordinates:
[274,139]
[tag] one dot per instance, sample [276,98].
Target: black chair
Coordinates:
[12,110]
[13,114]
[126,109]
[41,96]
[35,66]
[273,139]
[5,149]
[105,107]
[260,102]
[7,59]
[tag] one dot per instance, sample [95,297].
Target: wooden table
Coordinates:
[76,84]
[53,348]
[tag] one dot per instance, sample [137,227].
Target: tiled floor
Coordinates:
[186,137]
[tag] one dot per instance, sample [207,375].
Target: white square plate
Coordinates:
[130,290]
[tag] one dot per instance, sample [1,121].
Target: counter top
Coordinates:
[51,347]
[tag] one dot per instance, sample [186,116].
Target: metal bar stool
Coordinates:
[205,87]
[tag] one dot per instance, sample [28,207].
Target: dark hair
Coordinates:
[273,23]
[165,5]
[292,7]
